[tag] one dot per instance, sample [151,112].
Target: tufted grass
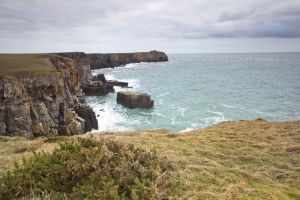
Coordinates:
[230,160]
[85,168]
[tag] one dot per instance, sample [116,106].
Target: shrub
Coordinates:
[89,169]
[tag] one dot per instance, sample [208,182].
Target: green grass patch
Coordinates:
[24,64]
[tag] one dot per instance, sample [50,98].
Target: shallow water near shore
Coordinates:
[197,90]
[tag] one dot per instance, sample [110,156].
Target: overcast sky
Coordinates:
[174,26]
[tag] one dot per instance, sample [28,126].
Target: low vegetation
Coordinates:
[89,169]
[24,64]
[230,160]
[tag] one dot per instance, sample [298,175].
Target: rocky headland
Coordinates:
[44,94]
[36,102]
[110,60]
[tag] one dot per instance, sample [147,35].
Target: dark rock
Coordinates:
[134,100]
[98,90]
[89,116]
[118,83]
[99,77]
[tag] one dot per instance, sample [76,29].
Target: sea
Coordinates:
[193,91]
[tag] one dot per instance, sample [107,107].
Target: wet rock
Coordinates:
[87,113]
[117,83]
[134,100]
[98,90]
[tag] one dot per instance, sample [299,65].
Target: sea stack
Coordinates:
[134,100]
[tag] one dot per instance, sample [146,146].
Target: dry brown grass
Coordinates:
[13,149]
[24,64]
[230,160]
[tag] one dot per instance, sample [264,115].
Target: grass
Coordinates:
[89,169]
[230,160]
[24,64]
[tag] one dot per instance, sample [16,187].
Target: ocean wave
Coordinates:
[158,114]
[216,113]
[130,65]
[110,77]
[182,110]
[173,120]
[193,127]
[163,94]
[219,117]
[264,113]
[187,130]
[229,106]
[96,71]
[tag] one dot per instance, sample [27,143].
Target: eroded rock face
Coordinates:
[134,100]
[108,60]
[98,60]
[89,116]
[43,104]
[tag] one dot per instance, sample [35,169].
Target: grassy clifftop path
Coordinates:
[230,160]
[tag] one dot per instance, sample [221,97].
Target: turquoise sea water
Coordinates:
[197,90]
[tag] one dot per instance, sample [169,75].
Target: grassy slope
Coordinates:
[243,160]
[15,64]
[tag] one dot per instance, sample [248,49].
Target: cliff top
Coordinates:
[230,160]
[24,64]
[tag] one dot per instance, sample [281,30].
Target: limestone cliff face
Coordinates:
[50,104]
[83,63]
[99,61]
[108,60]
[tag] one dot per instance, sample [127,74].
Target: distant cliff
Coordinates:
[110,60]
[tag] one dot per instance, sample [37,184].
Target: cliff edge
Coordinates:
[40,94]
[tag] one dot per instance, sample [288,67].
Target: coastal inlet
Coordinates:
[197,90]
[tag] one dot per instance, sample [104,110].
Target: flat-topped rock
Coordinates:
[134,100]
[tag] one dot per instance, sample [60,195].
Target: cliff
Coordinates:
[40,94]
[110,60]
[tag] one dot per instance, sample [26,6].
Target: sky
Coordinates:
[173,26]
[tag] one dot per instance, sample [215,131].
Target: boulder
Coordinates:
[134,100]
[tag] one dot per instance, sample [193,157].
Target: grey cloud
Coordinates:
[42,21]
